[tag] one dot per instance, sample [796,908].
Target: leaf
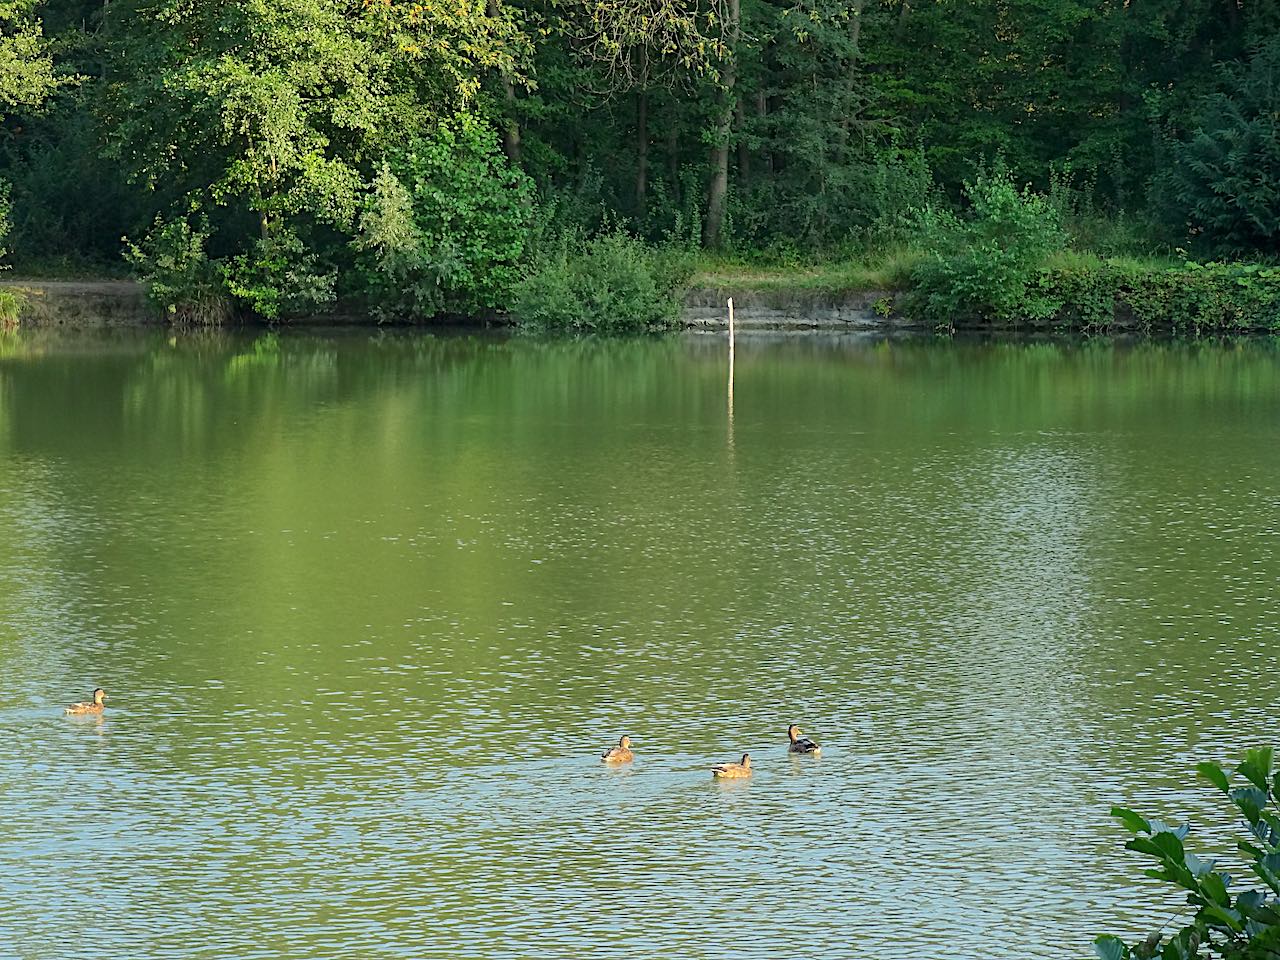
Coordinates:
[1131,820]
[1108,947]
[1215,888]
[1225,917]
[1257,767]
[1250,849]
[1197,866]
[1268,870]
[1250,801]
[1215,775]
[1170,846]
[1144,845]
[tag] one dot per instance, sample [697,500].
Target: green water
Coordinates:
[368,608]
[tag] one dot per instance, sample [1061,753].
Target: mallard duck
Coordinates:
[619,754]
[731,771]
[90,706]
[799,744]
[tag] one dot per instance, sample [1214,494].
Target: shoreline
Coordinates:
[771,307]
[123,303]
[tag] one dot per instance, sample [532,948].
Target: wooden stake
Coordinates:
[731,368]
[731,358]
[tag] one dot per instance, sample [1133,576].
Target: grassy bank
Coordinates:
[1067,290]
[835,280]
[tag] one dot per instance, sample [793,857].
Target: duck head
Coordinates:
[746,760]
[624,742]
[793,733]
[99,695]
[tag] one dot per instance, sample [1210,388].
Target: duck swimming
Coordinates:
[94,706]
[731,771]
[799,744]
[619,754]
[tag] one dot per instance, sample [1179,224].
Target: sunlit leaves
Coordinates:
[1247,928]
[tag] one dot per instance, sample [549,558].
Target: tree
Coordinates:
[1224,180]
[280,112]
[26,74]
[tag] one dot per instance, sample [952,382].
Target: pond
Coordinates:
[368,606]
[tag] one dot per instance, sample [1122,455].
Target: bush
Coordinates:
[1229,925]
[11,303]
[980,267]
[1192,298]
[616,284]
[444,228]
[172,263]
[281,277]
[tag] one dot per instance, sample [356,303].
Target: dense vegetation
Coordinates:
[418,159]
[1220,920]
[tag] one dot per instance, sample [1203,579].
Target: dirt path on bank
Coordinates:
[77,288]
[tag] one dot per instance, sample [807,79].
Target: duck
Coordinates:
[732,771]
[90,706]
[619,754]
[801,744]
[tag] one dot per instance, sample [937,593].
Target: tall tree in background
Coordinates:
[277,113]
[26,74]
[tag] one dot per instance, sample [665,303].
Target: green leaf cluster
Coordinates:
[1231,925]
[613,284]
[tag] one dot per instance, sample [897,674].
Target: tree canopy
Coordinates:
[296,151]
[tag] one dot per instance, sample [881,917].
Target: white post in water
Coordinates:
[731,374]
[731,358]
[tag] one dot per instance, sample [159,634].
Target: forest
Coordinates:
[576,161]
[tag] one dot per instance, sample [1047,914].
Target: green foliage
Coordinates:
[26,67]
[279,277]
[334,150]
[1190,299]
[615,284]
[5,209]
[179,276]
[11,304]
[445,225]
[981,267]
[1222,181]
[1226,924]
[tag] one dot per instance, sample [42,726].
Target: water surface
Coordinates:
[368,606]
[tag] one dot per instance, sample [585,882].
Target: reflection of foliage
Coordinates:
[1226,924]
[265,351]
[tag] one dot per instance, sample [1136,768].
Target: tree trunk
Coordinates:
[762,111]
[744,154]
[718,189]
[642,150]
[673,159]
[855,52]
[642,136]
[510,125]
[511,131]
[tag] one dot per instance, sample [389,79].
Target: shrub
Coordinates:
[11,302]
[444,228]
[615,284]
[1225,924]
[172,263]
[980,267]
[280,277]
[1191,298]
